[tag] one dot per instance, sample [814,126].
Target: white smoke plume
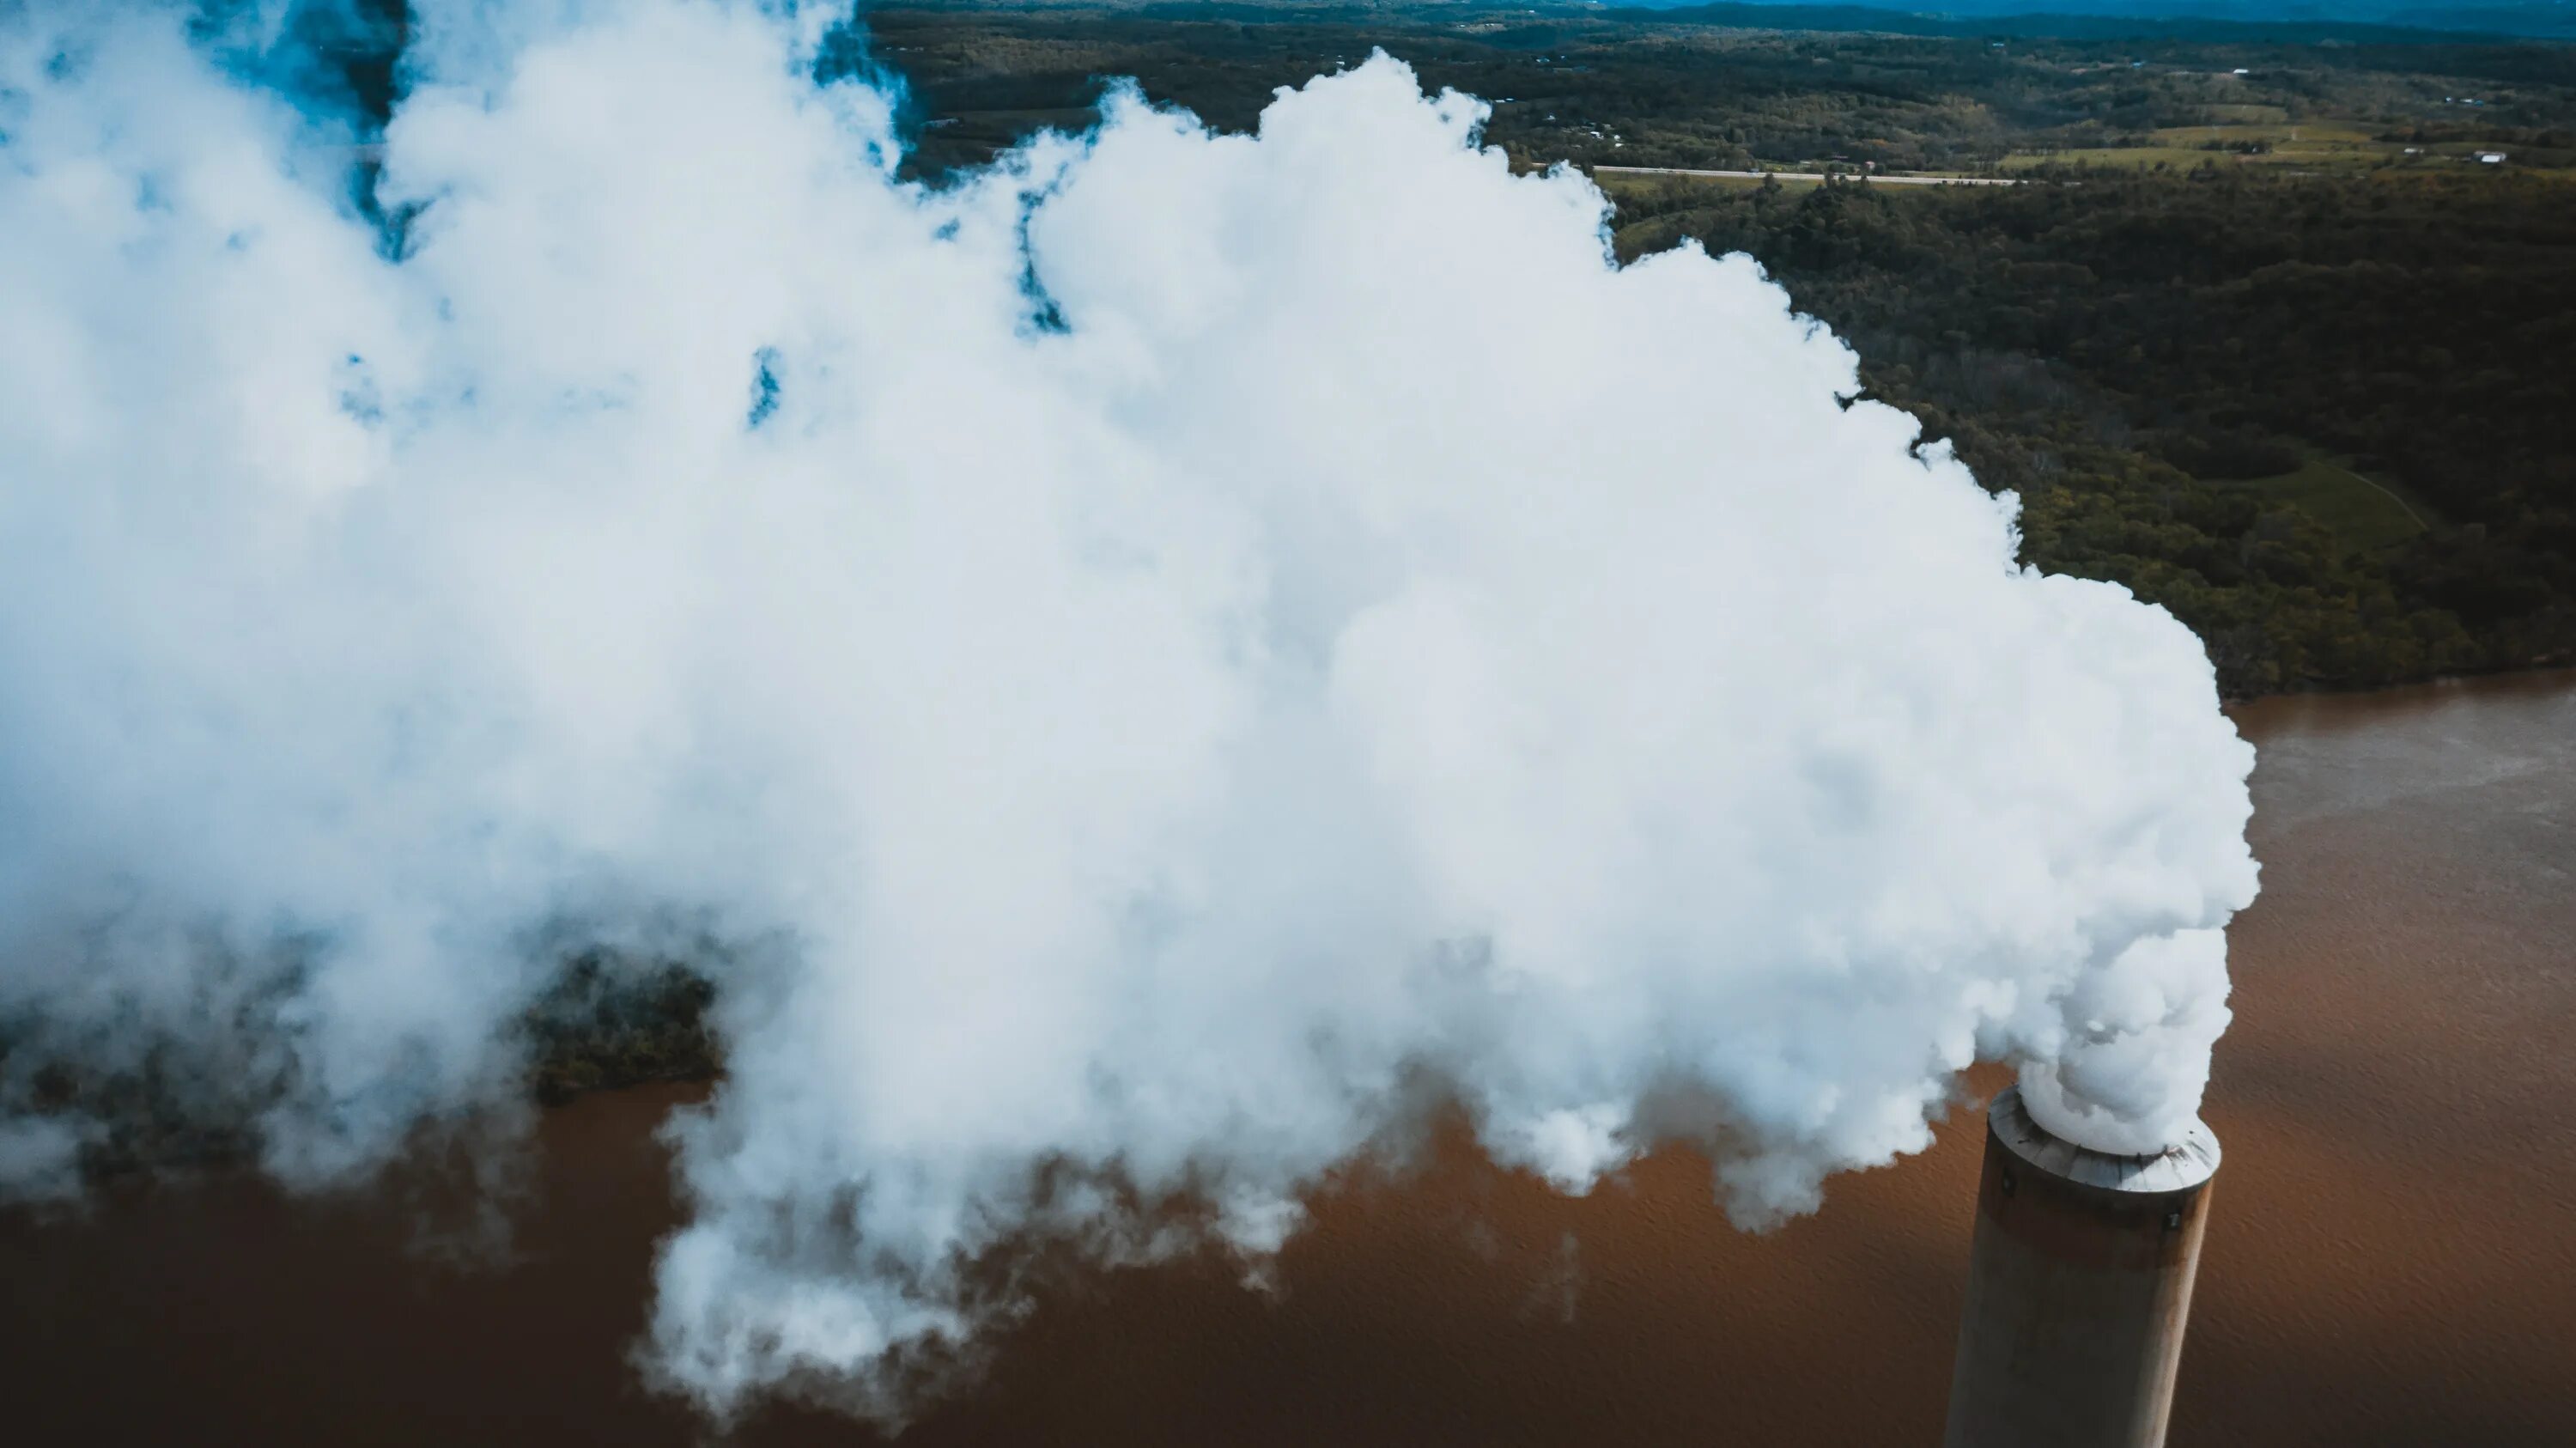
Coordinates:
[1156,659]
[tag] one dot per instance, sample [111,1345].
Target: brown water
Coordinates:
[2392,1258]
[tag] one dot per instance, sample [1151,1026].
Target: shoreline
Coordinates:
[2537,668]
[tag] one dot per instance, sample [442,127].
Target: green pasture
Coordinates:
[2247,114]
[2139,158]
[2365,514]
[2278,133]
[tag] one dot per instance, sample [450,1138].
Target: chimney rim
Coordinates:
[2183,1166]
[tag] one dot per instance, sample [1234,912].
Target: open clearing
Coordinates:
[2304,133]
[2306,145]
[2248,114]
[1756,178]
[2366,514]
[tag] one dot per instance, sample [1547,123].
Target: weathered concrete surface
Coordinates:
[2079,1287]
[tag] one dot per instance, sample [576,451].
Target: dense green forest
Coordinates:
[1673,90]
[2159,365]
[2261,338]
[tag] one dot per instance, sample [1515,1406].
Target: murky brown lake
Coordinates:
[2392,1258]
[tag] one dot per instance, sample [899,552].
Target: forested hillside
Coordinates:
[2163,366]
[1696,89]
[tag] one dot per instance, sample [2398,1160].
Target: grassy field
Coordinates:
[2141,158]
[1617,185]
[1624,184]
[2366,514]
[2248,114]
[2318,134]
[2308,145]
[2305,145]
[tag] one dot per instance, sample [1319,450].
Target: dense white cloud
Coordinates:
[1151,654]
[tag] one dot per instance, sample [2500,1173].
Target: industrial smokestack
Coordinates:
[2079,1286]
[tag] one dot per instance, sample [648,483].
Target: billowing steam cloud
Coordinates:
[1150,663]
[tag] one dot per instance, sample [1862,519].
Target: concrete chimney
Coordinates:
[2079,1285]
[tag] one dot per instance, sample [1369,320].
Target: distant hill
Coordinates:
[2372,20]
